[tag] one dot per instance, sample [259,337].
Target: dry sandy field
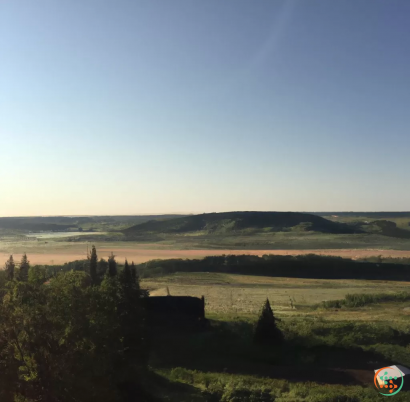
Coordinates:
[143,255]
[139,255]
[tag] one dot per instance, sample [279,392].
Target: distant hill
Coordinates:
[392,224]
[65,223]
[231,222]
[37,224]
[375,215]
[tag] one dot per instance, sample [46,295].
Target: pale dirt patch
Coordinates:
[139,255]
[159,292]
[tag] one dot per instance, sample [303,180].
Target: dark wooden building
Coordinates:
[180,311]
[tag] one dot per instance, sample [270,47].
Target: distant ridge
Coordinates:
[226,222]
[374,214]
[64,223]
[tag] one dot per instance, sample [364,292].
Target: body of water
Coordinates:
[53,235]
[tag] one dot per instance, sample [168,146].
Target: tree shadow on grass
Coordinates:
[163,389]
[229,349]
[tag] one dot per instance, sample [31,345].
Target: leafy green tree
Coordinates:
[93,266]
[10,268]
[102,268]
[69,341]
[24,268]
[37,274]
[112,265]
[266,331]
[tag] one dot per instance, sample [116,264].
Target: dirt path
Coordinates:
[142,255]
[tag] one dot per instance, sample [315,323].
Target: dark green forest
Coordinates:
[303,266]
[72,336]
[300,266]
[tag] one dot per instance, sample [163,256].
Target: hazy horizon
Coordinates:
[193,213]
[128,107]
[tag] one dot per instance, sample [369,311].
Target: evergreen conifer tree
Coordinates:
[112,265]
[266,332]
[93,266]
[134,275]
[130,311]
[24,267]
[9,268]
[126,275]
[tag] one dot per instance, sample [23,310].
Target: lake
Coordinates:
[53,235]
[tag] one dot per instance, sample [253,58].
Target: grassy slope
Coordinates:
[59,223]
[234,230]
[401,219]
[238,222]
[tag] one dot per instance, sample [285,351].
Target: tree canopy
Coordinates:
[68,338]
[24,268]
[9,268]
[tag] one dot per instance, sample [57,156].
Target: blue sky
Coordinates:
[146,106]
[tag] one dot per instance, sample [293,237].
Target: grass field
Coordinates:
[329,354]
[243,295]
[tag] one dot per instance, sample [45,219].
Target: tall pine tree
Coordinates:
[134,275]
[9,268]
[266,331]
[126,275]
[112,265]
[132,322]
[24,267]
[93,266]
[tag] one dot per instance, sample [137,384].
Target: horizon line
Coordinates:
[196,213]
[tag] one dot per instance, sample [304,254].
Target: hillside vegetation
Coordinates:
[240,222]
[392,224]
[75,223]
